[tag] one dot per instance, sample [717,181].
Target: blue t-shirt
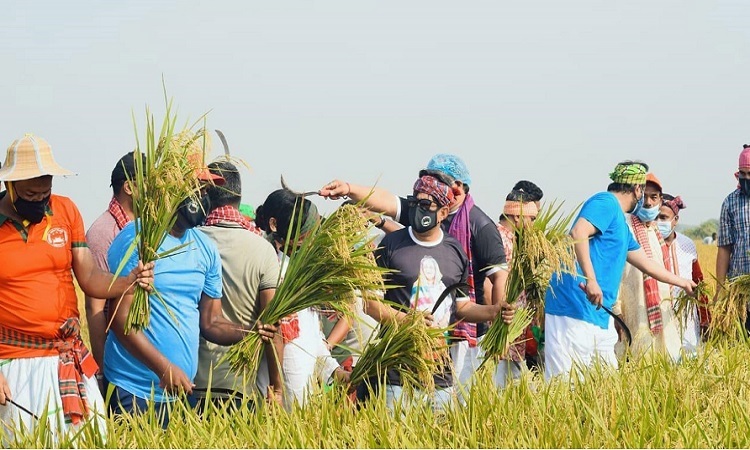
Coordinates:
[180,279]
[609,249]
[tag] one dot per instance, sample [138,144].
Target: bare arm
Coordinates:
[581,233]
[381,312]
[722,265]
[497,295]
[214,326]
[475,313]
[171,377]
[380,201]
[339,331]
[642,262]
[274,352]
[95,282]
[97,323]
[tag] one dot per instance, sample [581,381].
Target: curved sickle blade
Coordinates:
[621,323]
[448,291]
[303,194]
[223,142]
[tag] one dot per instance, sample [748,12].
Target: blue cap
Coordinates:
[450,165]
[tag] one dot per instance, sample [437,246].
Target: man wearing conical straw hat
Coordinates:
[578,330]
[45,365]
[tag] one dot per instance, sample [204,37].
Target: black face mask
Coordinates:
[745,186]
[192,212]
[422,221]
[31,211]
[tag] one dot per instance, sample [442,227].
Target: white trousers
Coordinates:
[439,400]
[572,344]
[34,385]
[466,360]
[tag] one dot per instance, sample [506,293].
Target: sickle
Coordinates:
[621,323]
[302,194]
[448,291]
[223,142]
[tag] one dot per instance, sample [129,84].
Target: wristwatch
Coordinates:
[381,223]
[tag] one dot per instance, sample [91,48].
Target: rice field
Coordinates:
[701,402]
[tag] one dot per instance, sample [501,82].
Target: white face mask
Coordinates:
[665,228]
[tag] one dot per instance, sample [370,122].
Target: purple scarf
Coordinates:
[461,230]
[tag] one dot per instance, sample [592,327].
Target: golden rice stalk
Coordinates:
[685,305]
[410,347]
[540,251]
[326,270]
[729,311]
[163,179]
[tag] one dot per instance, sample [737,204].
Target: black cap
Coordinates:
[124,168]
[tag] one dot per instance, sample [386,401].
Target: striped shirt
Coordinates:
[734,230]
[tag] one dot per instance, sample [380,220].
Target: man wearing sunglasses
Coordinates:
[425,262]
[733,258]
[474,230]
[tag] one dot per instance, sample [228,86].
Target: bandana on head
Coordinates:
[431,186]
[632,173]
[451,165]
[528,209]
[675,205]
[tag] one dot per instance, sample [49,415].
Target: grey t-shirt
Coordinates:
[249,265]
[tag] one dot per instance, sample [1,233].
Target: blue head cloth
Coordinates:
[450,165]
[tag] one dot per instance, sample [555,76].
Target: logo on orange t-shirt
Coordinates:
[57,237]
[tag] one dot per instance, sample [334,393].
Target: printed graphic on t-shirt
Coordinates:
[57,237]
[427,289]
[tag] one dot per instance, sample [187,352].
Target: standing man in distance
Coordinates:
[733,257]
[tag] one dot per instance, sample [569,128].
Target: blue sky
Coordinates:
[555,92]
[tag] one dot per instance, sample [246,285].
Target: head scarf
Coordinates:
[439,191]
[528,209]
[450,165]
[675,205]
[744,162]
[632,173]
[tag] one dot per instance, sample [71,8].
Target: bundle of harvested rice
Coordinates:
[686,305]
[164,177]
[328,270]
[410,347]
[729,311]
[540,250]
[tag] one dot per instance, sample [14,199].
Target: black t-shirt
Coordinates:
[424,270]
[486,248]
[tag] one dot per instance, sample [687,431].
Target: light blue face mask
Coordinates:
[648,214]
[638,205]
[665,228]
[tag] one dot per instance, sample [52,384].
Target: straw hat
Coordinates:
[30,157]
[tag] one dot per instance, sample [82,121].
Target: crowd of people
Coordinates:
[631,265]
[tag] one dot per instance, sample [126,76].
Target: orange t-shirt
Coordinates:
[37,293]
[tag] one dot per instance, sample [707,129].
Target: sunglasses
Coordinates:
[423,203]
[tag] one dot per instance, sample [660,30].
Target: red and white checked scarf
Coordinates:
[650,285]
[229,213]
[75,361]
[118,212]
